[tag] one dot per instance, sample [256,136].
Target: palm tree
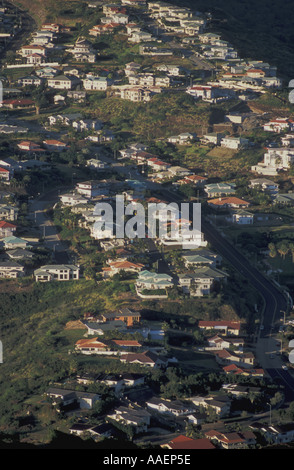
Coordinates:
[283,248]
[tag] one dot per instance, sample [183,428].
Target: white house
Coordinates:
[55,272]
[234,143]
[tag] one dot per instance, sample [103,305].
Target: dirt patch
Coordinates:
[75,325]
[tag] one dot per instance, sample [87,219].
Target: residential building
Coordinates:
[182,442]
[91,188]
[11,269]
[228,327]
[62,82]
[146,359]
[65,397]
[201,282]
[7,229]
[96,83]
[220,189]
[115,267]
[53,145]
[55,272]
[228,202]
[232,440]
[126,315]
[138,418]
[234,143]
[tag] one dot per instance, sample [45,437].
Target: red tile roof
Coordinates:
[183,442]
[222,201]
[4,224]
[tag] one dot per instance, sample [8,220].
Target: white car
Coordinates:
[284,367]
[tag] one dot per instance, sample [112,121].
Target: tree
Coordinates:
[283,248]
[272,250]
[277,398]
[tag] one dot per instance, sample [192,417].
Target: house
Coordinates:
[98,328]
[146,359]
[70,199]
[220,404]
[137,418]
[91,346]
[29,146]
[240,217]
[35,59]
[32,49]
[90,188]
[278,125]
[80,428]
[115,267]
[31,80]
[179,171]
[242,360]
[55,272]
[8,212]
[22,103]
[6,229]
[15,242]
[212,138]
[249,372]
[62,82]
[11,269]
[234,143]
[182,442]
[228,202]
[53,145]
[201,282]
[201,257]
[158,165]
[77,95]
[65,397]
[275,160]
[5,174]
[95,164]
[136,94]
[210,93]
[182,139]
[126,315]
[102,430]
[46,72]
[195,180]
[265,185]
[153,281]
[20,254]
[133,380]
[275,433]
[101,29]
[220,189]
[228,327]
[96,83]
[286,199]
[218,342]
[287,140]
[170,408]
[87,125]
[140,36]
[83,51]
[232,440]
